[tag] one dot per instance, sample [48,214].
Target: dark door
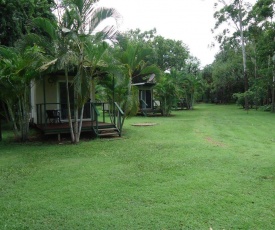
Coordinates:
[145,96]
[63,101]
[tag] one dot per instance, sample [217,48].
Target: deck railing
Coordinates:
[118,117]
[41,112]
[95,114]
[110,113]
[143,104]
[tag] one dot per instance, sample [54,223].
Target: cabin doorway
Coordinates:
[63,102]
[145,96]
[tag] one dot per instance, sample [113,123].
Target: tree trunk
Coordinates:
[5,112]
[80,124]
[244,57]
[192,99]
[273,95]
[255,76]
[26,114]
[23,118]
[69,107]
[0,129]
[76,134]
[12,116]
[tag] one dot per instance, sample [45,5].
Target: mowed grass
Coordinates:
[211,167]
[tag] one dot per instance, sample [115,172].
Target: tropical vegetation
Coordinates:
[245,65]
[67,41]
[50,36]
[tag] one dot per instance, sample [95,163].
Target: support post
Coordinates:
[44,95]
[0,130]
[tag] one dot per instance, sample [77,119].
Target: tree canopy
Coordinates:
[251,43]
[16,16]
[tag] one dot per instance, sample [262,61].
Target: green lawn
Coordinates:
[211,167]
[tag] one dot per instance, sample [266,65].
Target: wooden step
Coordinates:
[150,112]
[108,134]
[105,132]
[107,129]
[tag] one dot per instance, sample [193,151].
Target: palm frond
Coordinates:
[47,65]
[48,26]
[7,52]
[98,15]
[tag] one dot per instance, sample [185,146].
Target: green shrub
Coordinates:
[240,98]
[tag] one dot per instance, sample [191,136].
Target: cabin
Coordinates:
[49,111]
[147,104]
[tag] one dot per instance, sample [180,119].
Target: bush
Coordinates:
[265,108]
[240,98]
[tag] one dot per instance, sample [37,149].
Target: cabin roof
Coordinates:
[144,80]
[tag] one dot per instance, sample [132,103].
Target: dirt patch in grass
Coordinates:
[144,124]
[214,142]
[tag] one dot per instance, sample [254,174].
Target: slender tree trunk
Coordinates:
[0,129]
[12,116]
[5,111]
[129,95]
[273,84]
[76,117]
[255,77]
[69,107]
[93,89]
[192,101]
[20,118]
[80,124]
[77,97]
[25,111]
[244,57]
[273,94]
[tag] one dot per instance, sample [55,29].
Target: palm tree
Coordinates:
[132,64]
[167,91]
[78,44]
[81,19]
[57,45]
[191,85]
[18,69]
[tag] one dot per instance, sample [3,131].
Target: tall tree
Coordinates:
[227,73]
[262,34]
[170,53]
[235,11]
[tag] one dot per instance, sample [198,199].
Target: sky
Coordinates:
[190,21]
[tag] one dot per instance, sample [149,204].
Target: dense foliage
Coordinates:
[16,16]
[245,66]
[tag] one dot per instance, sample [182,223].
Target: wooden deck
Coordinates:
[150,112]
[58,128]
